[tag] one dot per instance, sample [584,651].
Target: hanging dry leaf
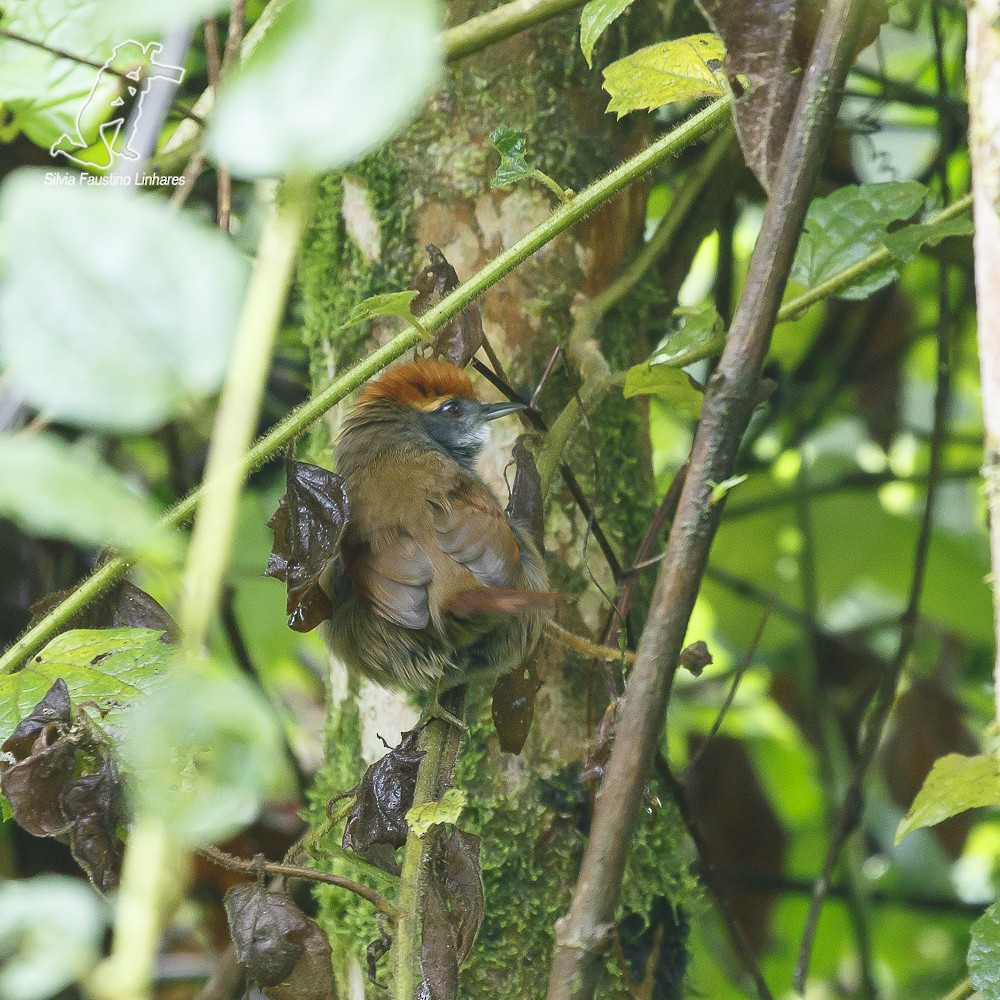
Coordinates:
[307,527]
[37,762]
[459,339]
[377,823]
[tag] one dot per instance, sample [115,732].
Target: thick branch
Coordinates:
[733,390]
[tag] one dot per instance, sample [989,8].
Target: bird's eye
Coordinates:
[449,409]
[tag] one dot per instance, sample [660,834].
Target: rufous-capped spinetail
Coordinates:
[434,584]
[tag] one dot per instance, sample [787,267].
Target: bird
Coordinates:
[434,584]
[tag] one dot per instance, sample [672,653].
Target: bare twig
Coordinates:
[253,867]
[885,695]
[606,654]
[80,60]
[583,934]
[742,667]
[743,947]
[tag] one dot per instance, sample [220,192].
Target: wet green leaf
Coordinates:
[511,144]
[109,667]
[205,752]
[113,310]
[984,954]
[41,94]
[692,334]
[447,810]
[904,244]
[51,929]
[329,81]
[849,224]
[595,19]
[671,385]
[387,304]
[956,783]
[54,490]
[681,70]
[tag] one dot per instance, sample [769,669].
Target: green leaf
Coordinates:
[388,304]
[51,928]
[41,94]
[113,310]
[109,667]
[594,21]
[511,144]
[54,490]
[156,18]
[671,385]
[692,334]
[904,244]
[329,81]
[205,751]
[682,70]
[984,954]
[956,783]
[848,225]
[421,818]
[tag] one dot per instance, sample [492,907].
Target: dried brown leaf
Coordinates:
[459,339]
[307,527]
[37,762]
[377,823]
[269,932]
[514,706]
[93,805]
[526,507]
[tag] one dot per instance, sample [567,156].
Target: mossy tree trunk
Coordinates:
[433,186]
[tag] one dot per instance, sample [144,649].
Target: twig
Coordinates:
[253,867]
[733,390]
[961,991]
[494,26]
[298,420]
[742,667]
[80,60]
[226,981]
[230,57]
[860,480]
[439,740]
[606,654]
[886,693]
[743,947]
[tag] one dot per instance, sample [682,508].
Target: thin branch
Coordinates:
[147,118]
[494,26]
[606,654]
[886,694]
[583,934]
[742,667]
[80,60]
[234,864]
[230,57]
[742,946]
[859,480]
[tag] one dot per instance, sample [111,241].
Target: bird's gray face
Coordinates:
[458,426]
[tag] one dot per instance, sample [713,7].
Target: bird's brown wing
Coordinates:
[394,578]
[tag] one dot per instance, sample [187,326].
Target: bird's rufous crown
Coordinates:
[421,384]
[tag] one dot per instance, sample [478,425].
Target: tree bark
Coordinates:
[433,186]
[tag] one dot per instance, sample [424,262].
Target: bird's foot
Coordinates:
[435,710]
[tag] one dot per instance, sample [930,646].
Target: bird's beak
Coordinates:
[491,411]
